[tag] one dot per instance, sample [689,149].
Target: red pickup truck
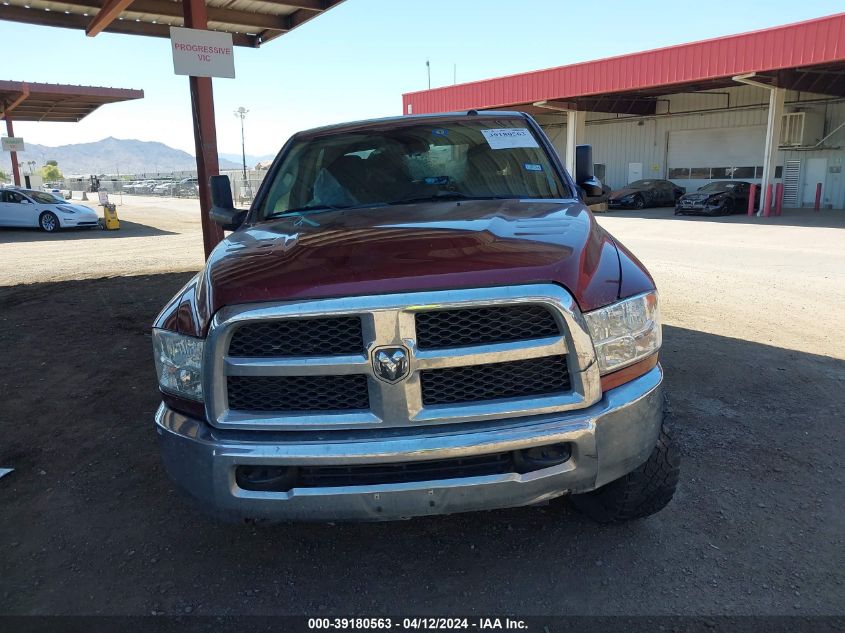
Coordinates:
[417,316]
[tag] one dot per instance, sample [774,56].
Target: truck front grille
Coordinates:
[298,337]
[483,326]
[298,393]
[283,479]
[470,355]
[533,377]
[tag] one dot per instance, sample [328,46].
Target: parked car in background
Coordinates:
[164,188]
[646,193]
[132,187]
[722,197]
[25,208]
[187,188]
[136,186]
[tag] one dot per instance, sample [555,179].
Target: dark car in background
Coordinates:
[721,197]
[646,193]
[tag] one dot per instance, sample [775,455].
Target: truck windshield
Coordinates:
[469,159]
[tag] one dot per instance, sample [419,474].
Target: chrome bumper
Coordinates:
[608,440]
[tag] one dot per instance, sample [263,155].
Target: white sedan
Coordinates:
[29,208]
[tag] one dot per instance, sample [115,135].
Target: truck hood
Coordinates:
[424,246]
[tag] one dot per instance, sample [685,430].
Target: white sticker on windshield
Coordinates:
[509,138]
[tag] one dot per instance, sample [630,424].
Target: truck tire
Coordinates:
[638,494]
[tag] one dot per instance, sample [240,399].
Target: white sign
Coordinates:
[104,197]
[509,138]
[201,53]
[12,144]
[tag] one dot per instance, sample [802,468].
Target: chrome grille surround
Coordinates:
[388,320]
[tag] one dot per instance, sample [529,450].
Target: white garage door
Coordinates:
[697,157]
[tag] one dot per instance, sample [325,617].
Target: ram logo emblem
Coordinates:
[391,364]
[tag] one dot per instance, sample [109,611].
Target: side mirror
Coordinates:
[584,177]
[223,210]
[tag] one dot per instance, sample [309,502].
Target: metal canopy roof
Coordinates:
[251,22]
[807,56]
[26,101]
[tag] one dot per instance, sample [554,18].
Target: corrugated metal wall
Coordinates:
[619,141]
[817,41]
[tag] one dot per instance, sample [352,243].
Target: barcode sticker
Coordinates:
[509,138]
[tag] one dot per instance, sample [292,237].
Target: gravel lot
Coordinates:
[755,369]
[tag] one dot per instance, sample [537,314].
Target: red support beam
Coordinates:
[205,131]
[105,16]
[752,199]
[16,172]
[10,130]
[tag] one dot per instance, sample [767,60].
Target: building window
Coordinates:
[744,172]
[699,173]
[679,172]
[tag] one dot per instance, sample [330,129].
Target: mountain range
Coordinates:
[125,156]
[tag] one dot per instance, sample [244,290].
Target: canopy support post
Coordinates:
[205,131]
[16,172]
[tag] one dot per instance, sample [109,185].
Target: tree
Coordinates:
[3,176]
[51,173]
[53,163]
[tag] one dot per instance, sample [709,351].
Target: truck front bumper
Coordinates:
[607,441]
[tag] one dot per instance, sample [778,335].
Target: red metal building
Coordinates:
[783,65]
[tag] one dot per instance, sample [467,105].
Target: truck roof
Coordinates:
[409,119]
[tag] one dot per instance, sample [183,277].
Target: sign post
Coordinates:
[200,53]
[12,144]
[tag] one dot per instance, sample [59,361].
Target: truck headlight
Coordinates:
[178,361]
[625,332]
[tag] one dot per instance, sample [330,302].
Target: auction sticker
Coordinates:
[509,138]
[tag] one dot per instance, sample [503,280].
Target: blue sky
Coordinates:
[356,60]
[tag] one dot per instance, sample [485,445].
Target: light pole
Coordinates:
[428,72]
[241,114]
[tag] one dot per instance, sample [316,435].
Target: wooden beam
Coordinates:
[168,11]
[105,16]
[7,108]
[128,27]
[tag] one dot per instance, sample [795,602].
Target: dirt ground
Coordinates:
[157,235]
[755,368]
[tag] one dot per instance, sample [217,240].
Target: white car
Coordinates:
[29,208]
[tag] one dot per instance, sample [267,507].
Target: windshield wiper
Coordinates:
[301,211]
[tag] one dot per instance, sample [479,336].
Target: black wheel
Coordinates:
[638,494]
[728,207]
[639,203]
[49,222]
[678,212]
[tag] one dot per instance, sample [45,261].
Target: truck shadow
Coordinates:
[90,514]
[127,229]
